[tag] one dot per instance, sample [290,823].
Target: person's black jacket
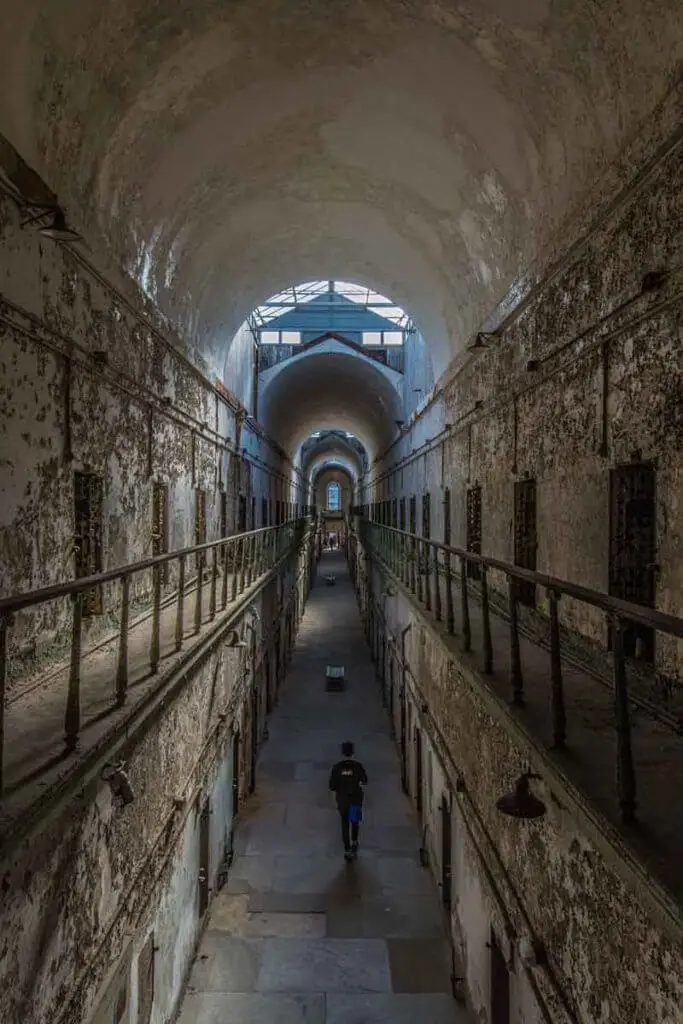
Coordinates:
[347,779]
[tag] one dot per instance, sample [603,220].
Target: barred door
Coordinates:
[525,537]
[632,548]
[473,529]
[88,506]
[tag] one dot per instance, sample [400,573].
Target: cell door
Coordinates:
[473,529]
[224,513]
[446,850]
[392,723]
[88,516]
[419,798]
[404,741]
[204,854]
[500,983]
[525,537]
[242,514]
[160,524]
[254,737]
[633,548]
[236,757]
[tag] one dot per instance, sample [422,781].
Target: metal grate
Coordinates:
[473,529]
[633,547]
[88,507]
[525,537]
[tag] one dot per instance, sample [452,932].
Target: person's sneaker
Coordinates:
[348,856]
[354,849]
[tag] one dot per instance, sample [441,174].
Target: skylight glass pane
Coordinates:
[291,337]
[393,337]
[270,337]
[372,337]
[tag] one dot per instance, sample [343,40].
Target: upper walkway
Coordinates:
[298,935]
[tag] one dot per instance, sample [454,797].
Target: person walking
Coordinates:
[347,779]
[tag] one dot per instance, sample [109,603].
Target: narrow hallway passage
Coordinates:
[298,935]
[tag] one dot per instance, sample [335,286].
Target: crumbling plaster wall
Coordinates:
[608,960]
[508,421]
[99,875]
[85,384]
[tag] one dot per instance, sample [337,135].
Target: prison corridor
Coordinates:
[296,934]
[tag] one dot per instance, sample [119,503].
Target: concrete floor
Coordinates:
[298,936]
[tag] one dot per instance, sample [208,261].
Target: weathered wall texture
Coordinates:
[553,421]
[607,959]
[93,883]
[85,385]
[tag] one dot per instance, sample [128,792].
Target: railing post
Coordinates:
[236,544]
[154,647]
[419,571]
[515,653]
[180,607]
[559,716]
[5,623]
[465,606]
[72,718]
[199,593]
[224,581]
[447,562]
[214,584]
[122,665]
[243,562]
[486,621]
[437,586]
[626,780]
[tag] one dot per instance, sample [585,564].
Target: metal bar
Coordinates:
[437,587]
[559,716]
[626,780]
[224,583]
[214,584]
[515,653]
[486,622]
[235,567]
[180,606]
[154,647]
[199,594]
[448,569]
[72,717]
[122,665]
[465,607]
[5,623]
[243,563]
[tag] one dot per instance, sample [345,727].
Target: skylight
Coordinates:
[299,294]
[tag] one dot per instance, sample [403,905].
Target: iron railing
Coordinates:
[431,570]
[222,571]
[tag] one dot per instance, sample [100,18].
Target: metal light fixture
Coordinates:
[522,803]
[233,639]
[58,229]
[118,781]
[481,341]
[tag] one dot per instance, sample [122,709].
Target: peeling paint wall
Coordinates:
[86,383]
[608,959]
[533,403]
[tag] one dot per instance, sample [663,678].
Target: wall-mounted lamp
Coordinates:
[233,639]
[522,803]
[57,229]
[481,342]
[119,782]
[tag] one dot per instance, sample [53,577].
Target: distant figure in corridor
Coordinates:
[347,779]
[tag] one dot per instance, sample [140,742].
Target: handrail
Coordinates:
[424,567]
[661,621]
[42,594]
[238,561]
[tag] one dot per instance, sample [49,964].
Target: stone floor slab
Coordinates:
[419,965]
[393,1009]
[326,965]
[286,926]
[252,1008]
[226,964]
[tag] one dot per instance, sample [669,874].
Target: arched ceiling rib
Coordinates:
[330,391]
[428,149]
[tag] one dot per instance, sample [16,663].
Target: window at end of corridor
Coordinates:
[333,498]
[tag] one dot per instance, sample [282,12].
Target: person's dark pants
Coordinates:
[349,830]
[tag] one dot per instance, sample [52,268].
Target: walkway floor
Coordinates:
[298,936]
